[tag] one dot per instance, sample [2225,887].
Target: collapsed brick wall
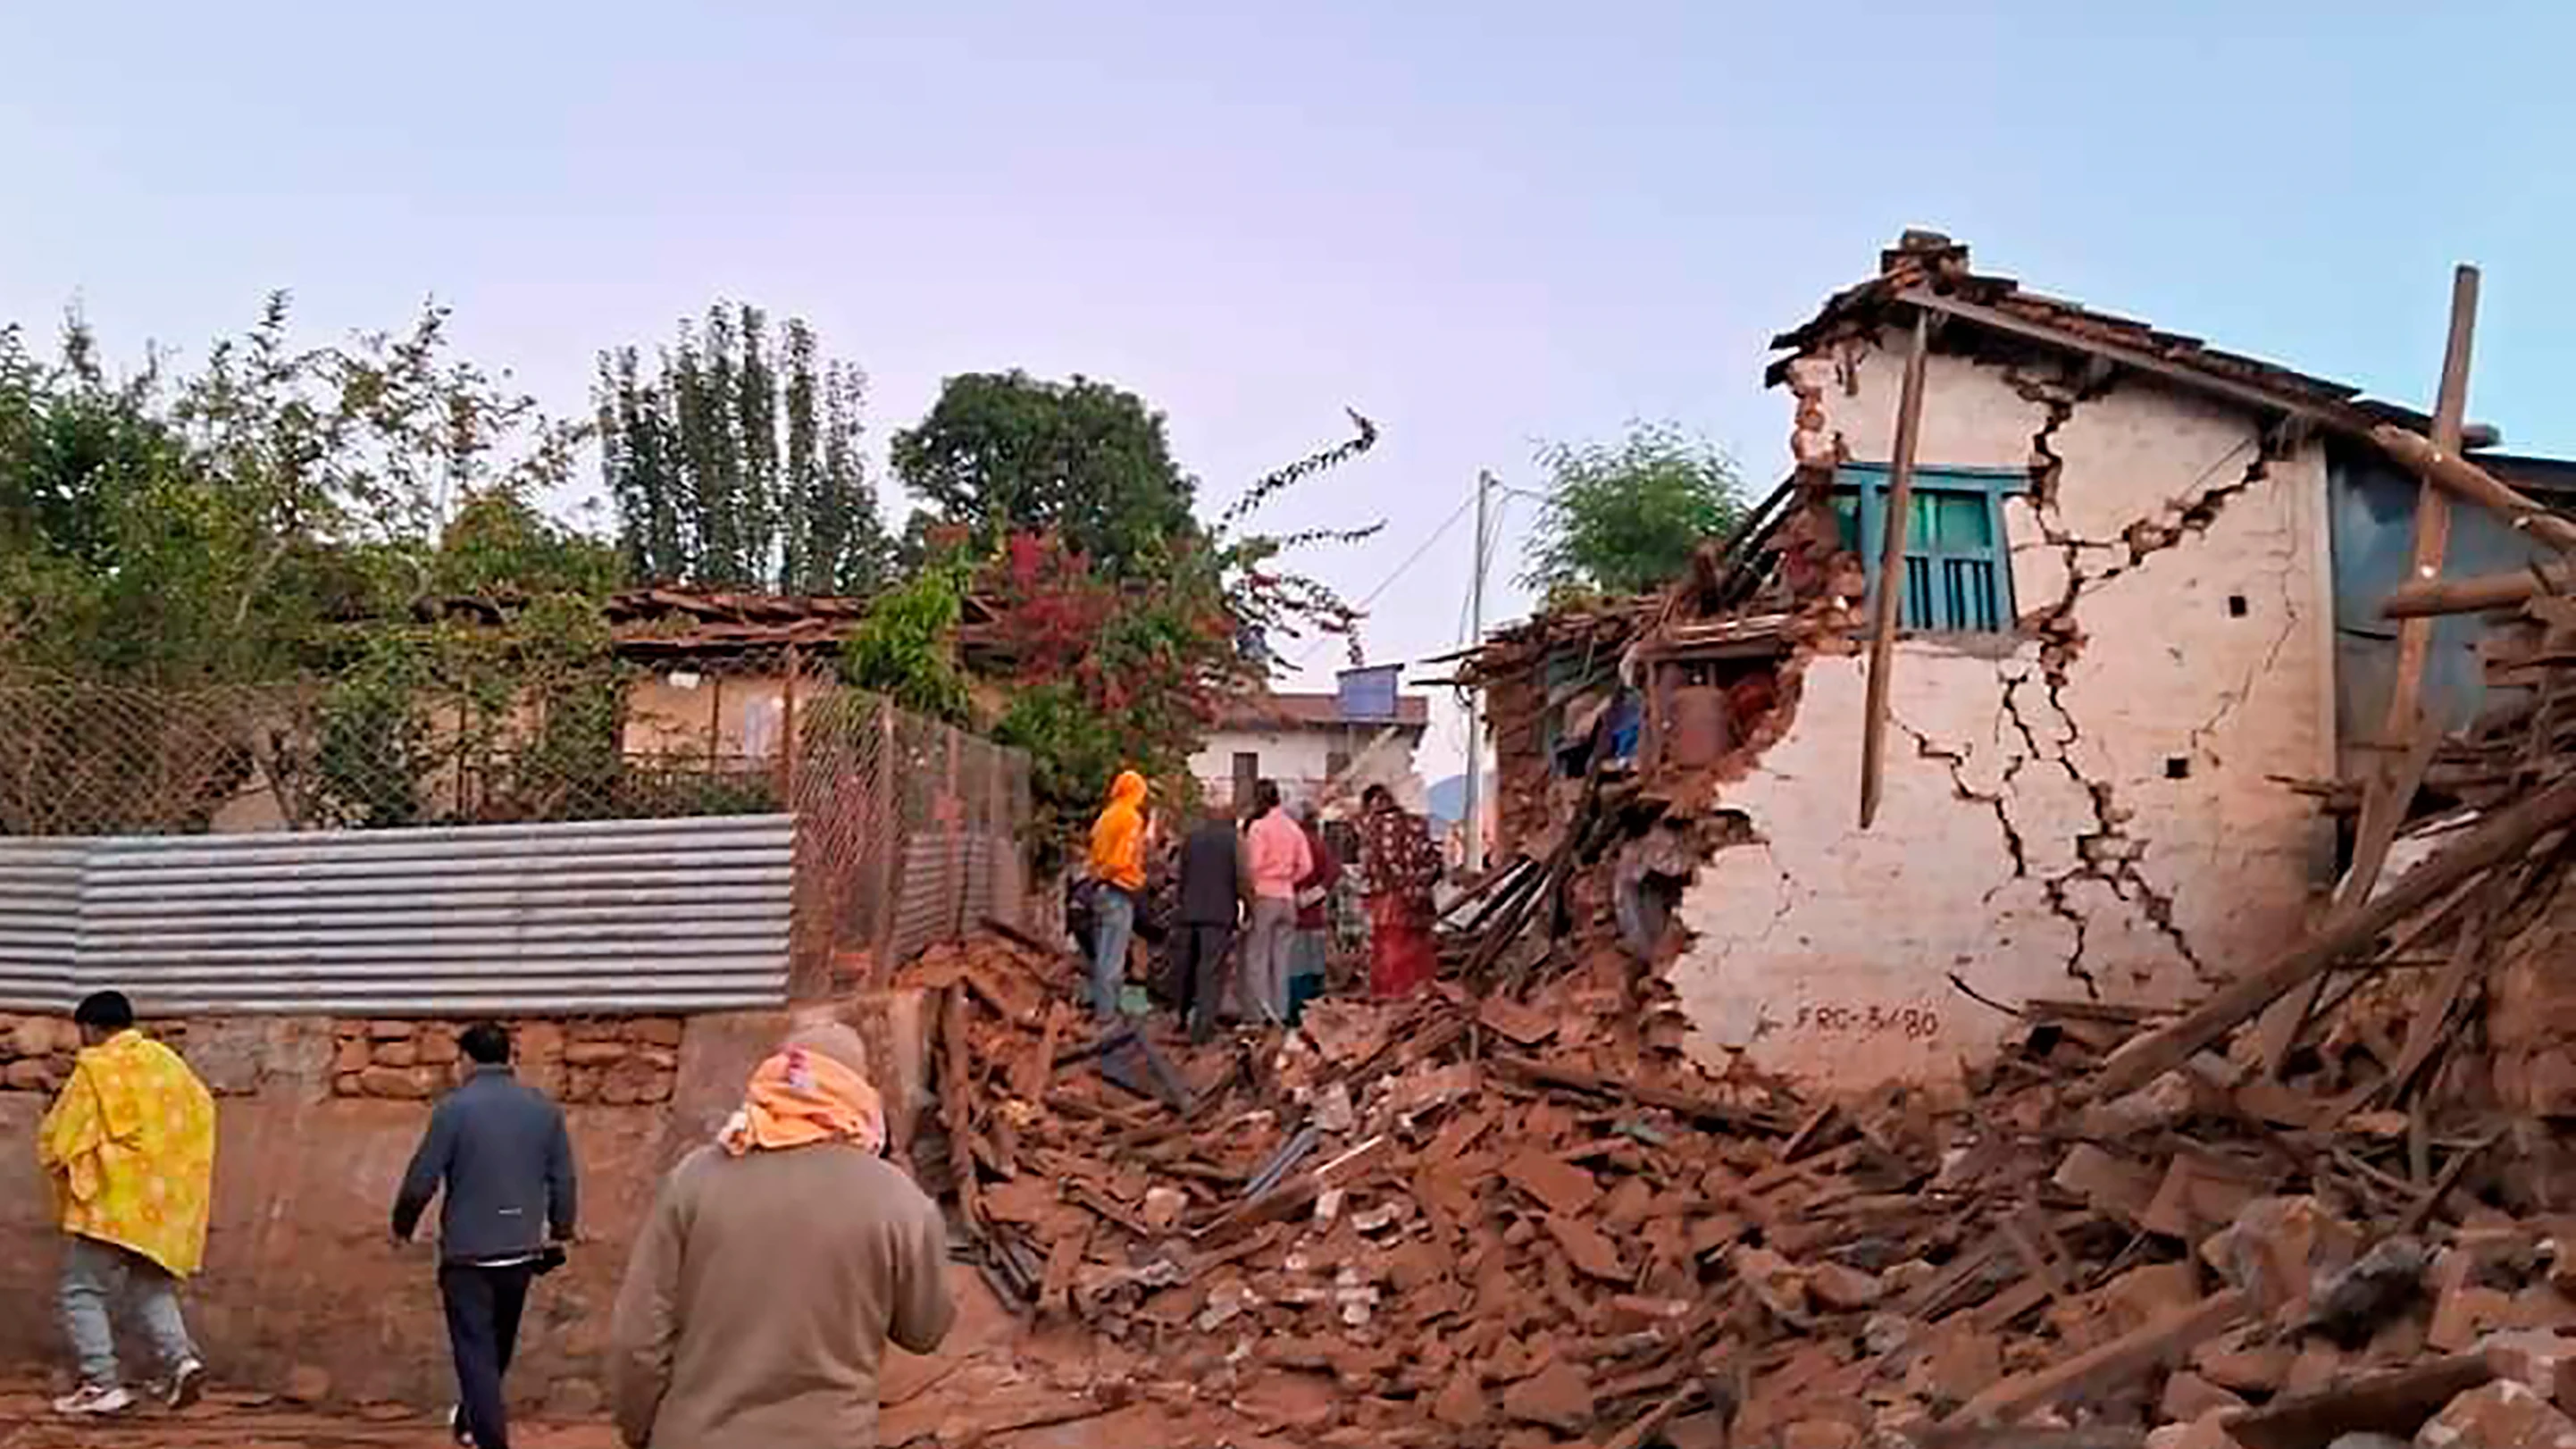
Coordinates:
[2096,804]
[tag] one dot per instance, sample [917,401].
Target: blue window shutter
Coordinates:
[1958,577]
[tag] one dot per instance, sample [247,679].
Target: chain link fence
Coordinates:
[909,830]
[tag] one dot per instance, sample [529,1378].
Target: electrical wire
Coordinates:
[1401,569]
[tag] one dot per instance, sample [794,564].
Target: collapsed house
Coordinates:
[2247,1166]
[2141,639]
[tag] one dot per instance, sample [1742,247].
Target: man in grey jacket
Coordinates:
[500,1153]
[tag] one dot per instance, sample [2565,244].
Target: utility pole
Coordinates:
[1475,857]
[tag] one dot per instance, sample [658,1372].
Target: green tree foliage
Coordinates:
[1622,518]
[1093,669]
[1004,453]
[227,525]
[733,460]
[287,509]
[905,649]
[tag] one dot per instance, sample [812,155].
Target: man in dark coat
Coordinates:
[1209,912]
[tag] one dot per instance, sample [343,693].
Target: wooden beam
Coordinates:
[2168,1337]
[2393,1402]
[2406,722]
[2148,1057]
[2391,789]
[1891,569]
[2433,509]
[2461,478]
[2426,598]
[2243,394]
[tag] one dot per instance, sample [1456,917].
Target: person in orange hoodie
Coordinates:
[1118,866]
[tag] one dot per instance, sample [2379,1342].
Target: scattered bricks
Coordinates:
[1840,1289]
[1587,1249]
[2246,1370]
[397,1053]
[2503,1415]
[2317,1368]
[436,1047]
[594,1053]
[594,1029]
[2278,1247]
[390,1030]
[1559,1396]
[2467,1313]
[2143,1295]
[658,1031]
[1822,1434]
[2206,1432]
[1461,1403]
[1559,1186]
[351,1057]
[1960,1364]
[2542,1362]
[2188,1396]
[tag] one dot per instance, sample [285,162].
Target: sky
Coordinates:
[1483,226]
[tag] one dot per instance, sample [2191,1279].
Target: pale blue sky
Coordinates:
[1480,224]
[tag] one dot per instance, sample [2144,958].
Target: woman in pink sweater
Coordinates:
[1276,845]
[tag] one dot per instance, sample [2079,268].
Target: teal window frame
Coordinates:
[1955,584]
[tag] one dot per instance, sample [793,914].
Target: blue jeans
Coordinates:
[1113,928]
[98,1279]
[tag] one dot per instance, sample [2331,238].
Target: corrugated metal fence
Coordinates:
[611,916]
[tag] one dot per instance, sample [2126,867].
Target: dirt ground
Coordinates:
[247,1422]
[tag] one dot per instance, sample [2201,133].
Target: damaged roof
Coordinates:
[1928,262]
[1278,711]
[666,619]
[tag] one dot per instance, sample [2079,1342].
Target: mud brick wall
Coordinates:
[317,1119]
[2092,804]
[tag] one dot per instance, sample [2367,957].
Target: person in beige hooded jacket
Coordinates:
[778,1263]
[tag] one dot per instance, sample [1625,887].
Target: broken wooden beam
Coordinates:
[2461,478]
[2433,507]
[1550,1074]
[2426,598]
[2133,1353]
[2395,1403]
[1893,514]
[2150,1056]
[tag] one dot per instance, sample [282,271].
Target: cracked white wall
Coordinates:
[2117,826]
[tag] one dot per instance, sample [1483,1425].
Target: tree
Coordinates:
[206,528]
[1623,518]
[1004,453]
[734,460]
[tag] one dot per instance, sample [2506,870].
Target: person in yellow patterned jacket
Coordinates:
[130,1149]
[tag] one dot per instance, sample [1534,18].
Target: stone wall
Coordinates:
[316,1121]
[2098,804]
[623,1062]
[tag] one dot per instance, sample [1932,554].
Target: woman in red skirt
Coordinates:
[1402,866]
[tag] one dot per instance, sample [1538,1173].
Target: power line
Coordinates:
[1401,569]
